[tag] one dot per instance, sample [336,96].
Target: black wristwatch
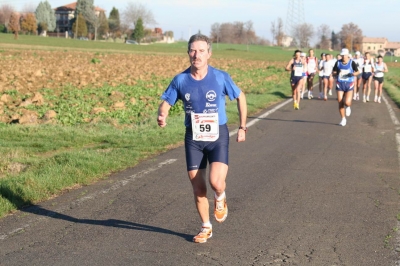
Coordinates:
[244,128]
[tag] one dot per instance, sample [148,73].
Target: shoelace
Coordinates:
[220,204]
[204,231]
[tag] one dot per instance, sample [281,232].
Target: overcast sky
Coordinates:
[376,18]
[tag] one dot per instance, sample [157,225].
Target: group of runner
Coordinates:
[203,90]
[349,74]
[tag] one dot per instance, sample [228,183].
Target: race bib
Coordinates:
[367,68]
[298,71]
[343,74]
[205,127]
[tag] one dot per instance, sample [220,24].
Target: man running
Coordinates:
[357,80]
[380,69]
[321,75]
[305,74]
[367,69]
[328,78]
[203,89]
[312,66]
[297,67]
[345,69]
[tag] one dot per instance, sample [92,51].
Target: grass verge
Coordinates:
[40,161]
[392,83]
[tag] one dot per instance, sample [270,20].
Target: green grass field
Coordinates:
[38,162]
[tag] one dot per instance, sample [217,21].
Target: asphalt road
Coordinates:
[301,191]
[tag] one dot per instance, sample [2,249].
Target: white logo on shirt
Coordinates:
[211,96]
[187,96]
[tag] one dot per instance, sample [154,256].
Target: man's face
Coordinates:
[199,54]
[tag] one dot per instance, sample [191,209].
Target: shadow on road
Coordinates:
[37,210]
[297,121]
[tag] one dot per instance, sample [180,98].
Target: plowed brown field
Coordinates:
[35,85]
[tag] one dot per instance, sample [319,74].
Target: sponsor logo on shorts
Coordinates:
[211,96]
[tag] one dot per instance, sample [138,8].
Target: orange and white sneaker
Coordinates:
[204,234]
[220,210]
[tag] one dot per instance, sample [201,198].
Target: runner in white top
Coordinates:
[357,80]
[312,66]
[328,78]
[321,75]
[380,69]
[303,88]
[368,69]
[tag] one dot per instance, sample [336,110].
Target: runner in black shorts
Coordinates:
[203,90]
[297,67]
[380,69]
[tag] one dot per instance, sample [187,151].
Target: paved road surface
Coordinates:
[301,191]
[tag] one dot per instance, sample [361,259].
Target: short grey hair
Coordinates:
[200,37]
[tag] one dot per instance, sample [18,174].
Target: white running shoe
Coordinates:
[343,122]
[367,98]
[358,97]
[354,97]
[364,100]
[330,92]
[379,99]
[348,110]
[376,98]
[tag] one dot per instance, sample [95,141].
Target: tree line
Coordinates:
[86,22]
[349,37]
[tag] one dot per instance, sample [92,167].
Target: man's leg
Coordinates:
[198,180]
[218,173]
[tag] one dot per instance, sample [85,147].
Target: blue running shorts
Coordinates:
[345,86]
[199,152]
[294,80]
[366,76]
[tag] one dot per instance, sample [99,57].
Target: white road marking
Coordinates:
[91,196]
[391,112]
[396,123]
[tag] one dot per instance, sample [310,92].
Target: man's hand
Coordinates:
[241,135]
[161,120]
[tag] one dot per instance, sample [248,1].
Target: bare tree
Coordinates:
[351,36]
[5,13]
[277,31]
[303,33]
[13,25]
[215,33]
[94,20]
[135,11]
[324,33]
[227,33]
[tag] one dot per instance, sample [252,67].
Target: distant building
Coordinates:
[380,46]
[287,41]
[64,15]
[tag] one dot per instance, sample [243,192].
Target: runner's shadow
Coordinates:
[297,121]
[37,210]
